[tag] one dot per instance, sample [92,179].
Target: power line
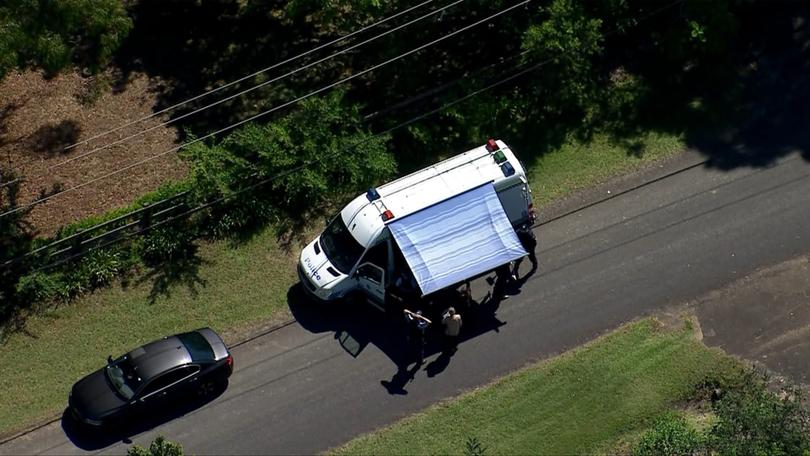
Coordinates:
[432,91]
[224,86]
[264,70]
[155,204]
[279,175]
[264,113]
[258,86]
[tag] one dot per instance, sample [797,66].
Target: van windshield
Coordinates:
[340,246]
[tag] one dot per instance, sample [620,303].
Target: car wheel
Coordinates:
[207,388]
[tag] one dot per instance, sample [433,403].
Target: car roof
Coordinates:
[159,356]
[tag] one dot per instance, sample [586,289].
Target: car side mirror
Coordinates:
[109,359]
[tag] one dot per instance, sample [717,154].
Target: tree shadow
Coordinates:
[171,273]
[52,139]
[91,439]
[5,113]
[756,109]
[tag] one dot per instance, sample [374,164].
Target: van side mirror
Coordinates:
[328,219]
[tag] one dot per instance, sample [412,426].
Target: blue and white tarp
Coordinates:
[456,239]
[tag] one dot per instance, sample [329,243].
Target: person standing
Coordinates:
[418,326]
[529,242]
[452,327]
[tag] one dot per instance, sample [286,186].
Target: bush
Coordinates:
[96,269]
[40,287]
[670,435]
[159,447]
[165,243]
[752,420]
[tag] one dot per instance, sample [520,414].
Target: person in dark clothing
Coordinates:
[502,281]
[529,242]
[417,329]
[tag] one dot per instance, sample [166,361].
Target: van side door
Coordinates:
[371,279]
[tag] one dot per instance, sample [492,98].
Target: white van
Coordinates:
[376,239]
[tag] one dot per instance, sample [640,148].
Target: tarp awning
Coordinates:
[456,239]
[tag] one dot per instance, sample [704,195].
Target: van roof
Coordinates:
[426,187]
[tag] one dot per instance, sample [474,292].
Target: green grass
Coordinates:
[576,165]
[576,403]
[238,287]
[233,288]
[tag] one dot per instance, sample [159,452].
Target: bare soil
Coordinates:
[40,117]
[764,317]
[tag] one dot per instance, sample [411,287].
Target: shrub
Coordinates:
[670,435]
[98,268]
[752,420]
[166,242]
[159,447]
[39,287]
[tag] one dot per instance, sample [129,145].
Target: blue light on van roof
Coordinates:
[507,169]
[372,194]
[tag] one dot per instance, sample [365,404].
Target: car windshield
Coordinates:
[340,246]
[123,377]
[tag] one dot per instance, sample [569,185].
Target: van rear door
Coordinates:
[515,200]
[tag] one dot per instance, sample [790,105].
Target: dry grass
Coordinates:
[39,117]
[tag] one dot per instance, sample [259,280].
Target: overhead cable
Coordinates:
[264,113]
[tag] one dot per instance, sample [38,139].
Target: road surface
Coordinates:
[298,390]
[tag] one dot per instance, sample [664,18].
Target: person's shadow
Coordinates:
[438,365]
[403,376]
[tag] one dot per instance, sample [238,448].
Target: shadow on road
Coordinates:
[90,439]
[357,324]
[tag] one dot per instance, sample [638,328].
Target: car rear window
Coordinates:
[197,346]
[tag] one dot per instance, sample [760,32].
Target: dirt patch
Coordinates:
[764,317]
[39,118]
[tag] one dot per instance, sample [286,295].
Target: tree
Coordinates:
[569,40]
[159,447]
[308,158]
[53,34]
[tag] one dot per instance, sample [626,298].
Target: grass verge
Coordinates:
[576,403]
[229,288]
[577,165]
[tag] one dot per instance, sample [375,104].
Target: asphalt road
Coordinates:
[297,390]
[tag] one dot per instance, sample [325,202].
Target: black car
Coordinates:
[150,375]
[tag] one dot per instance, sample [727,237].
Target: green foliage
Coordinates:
[98,268]
[52,34]
[168,242]
[15,239]
[569,40]
[309,157]
[752,421]
[159,447]
[670,435]
[40,287]
[472,447]
[342,14]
